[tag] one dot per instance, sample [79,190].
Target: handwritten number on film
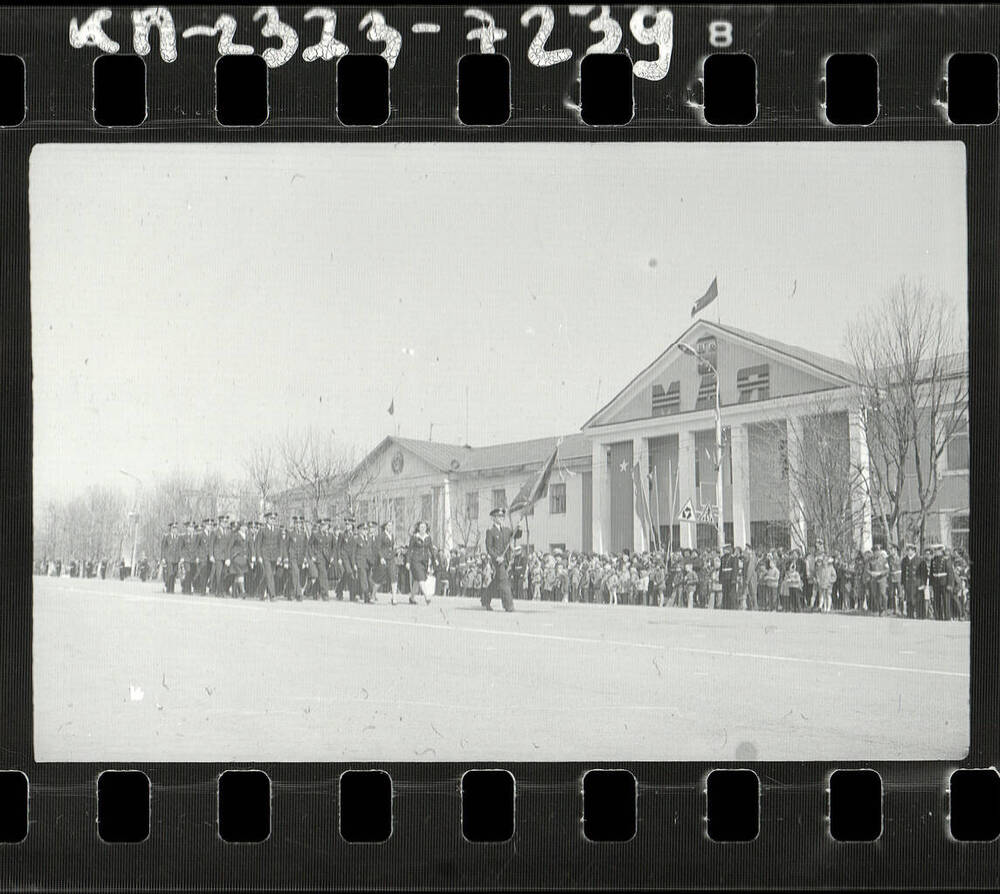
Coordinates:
[649,25]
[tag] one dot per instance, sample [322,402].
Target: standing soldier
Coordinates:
[298,555]
[253,564]
[336,563]
[170,555]
[201,554]
[939,584]
[321,545]
[348,558]
[271,552]
[211,531]
[220,555]
[498,543]
[908,580]
[364,562]
[187,557]
[236,561]
[387,560]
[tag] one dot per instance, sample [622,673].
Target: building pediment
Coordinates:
[751,369]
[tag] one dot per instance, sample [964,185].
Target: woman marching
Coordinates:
[419,562]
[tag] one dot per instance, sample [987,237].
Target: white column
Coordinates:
[640,455]
[796,511]
[448,539]
[739,445]
[686,488]
[600,496]
[861,504]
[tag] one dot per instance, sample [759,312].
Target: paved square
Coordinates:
[125,672]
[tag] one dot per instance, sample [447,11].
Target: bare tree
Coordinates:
[359,478]
[262,467]
[465,528]
[314,464]
[913,388]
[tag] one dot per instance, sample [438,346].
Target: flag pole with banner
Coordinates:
[534,488]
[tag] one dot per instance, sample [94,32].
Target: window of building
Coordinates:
[499,498]
[362,513]
[554,546]
[957,452]
[425,509]
[960,532]
[667,401]
[557,499]
[753,383]
[472,505]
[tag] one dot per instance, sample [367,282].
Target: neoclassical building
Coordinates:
[779,405]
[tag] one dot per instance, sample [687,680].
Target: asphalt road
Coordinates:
[125,672]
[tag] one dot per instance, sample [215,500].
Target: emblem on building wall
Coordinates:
[397,462]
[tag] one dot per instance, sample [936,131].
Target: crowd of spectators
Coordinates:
[931,584]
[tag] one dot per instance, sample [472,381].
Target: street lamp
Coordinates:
[134,514]
[720,528]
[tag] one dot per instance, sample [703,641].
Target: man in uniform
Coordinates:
[498,543]
[879,572]
[298,556]
[364,562]
[321,544]
[202,564]
[170,555]
[727,577]
[187,557]
[271,553]
[221,548]
[939,584]
[348,558]
[386,550]
[908,580]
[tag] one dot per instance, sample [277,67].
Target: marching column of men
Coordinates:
[269,561]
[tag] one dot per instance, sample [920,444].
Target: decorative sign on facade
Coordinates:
[708,355]
[397,462]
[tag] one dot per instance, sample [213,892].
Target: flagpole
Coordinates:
[656,496]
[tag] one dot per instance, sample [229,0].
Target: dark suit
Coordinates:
[220,549]
[187,556]
[271,552]
[299,559]
[348,556]
[365,561]
[497,540]
[170,551]
[387,559]
[321,545]
[201,562]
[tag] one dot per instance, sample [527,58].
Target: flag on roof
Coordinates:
[392,406]
[534,488]
[707,298]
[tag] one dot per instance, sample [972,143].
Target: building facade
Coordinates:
[454,488]
[795,462]
[792,435]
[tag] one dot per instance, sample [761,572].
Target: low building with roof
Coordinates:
[454,487]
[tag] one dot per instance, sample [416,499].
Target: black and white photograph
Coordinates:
[511,451]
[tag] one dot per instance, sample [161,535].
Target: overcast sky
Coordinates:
[188,299]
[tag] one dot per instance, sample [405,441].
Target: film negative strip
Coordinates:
[388,505]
